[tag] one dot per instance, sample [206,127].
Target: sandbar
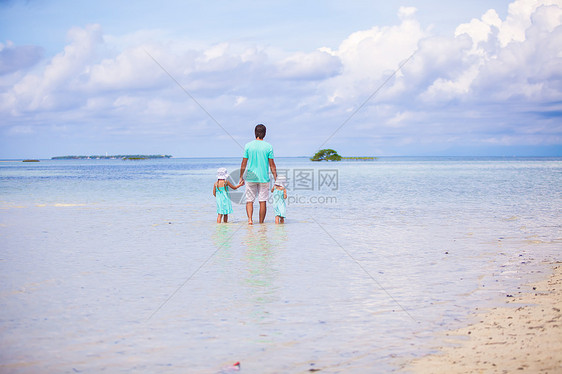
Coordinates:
[525,335]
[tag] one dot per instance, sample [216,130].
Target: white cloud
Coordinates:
[132,69]
[49,89]
[439,72]
[406,12]
[444,90]
[528,69]
[369,56]
[317,65]
[402,118]
[484,75]
[519,19]
[490,69]
[480,30]
[240,100]
[481,64]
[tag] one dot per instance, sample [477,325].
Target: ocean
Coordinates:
[120,266]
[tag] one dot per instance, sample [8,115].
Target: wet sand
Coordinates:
[525,335]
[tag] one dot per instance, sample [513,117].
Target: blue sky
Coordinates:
[192,79]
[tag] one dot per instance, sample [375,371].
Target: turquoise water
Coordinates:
[119,265]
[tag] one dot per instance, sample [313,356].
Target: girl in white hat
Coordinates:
[279,196]
[220,192]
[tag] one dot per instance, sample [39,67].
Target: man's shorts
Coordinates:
[261,190]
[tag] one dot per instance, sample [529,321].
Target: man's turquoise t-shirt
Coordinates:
[258,153]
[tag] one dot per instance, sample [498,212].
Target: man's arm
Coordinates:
[273,168]
[243,168]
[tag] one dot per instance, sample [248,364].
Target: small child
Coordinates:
[220,192]
[279,196]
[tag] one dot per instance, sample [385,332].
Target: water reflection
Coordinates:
[222,238]
[261,246]
[279,237]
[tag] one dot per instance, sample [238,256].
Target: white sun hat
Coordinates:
[222,174]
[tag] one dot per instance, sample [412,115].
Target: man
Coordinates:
[257,160]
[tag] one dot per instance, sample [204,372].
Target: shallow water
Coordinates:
[118,265]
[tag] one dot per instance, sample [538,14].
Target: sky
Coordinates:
[366,78]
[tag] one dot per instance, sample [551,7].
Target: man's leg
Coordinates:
[250,211]
[251,193]
[263,195]
[263,210]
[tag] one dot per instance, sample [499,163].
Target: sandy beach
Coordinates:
[525,335]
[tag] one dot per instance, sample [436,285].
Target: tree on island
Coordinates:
[326,155]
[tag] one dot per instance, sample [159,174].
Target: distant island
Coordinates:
[109,157]
[326,155]
[331,155]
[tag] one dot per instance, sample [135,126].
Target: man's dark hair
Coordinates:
[260,131]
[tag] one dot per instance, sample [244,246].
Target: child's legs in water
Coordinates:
[219,218]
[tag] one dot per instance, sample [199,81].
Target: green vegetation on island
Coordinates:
[326,155]
[365,158]
[331,155]
[113,157]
